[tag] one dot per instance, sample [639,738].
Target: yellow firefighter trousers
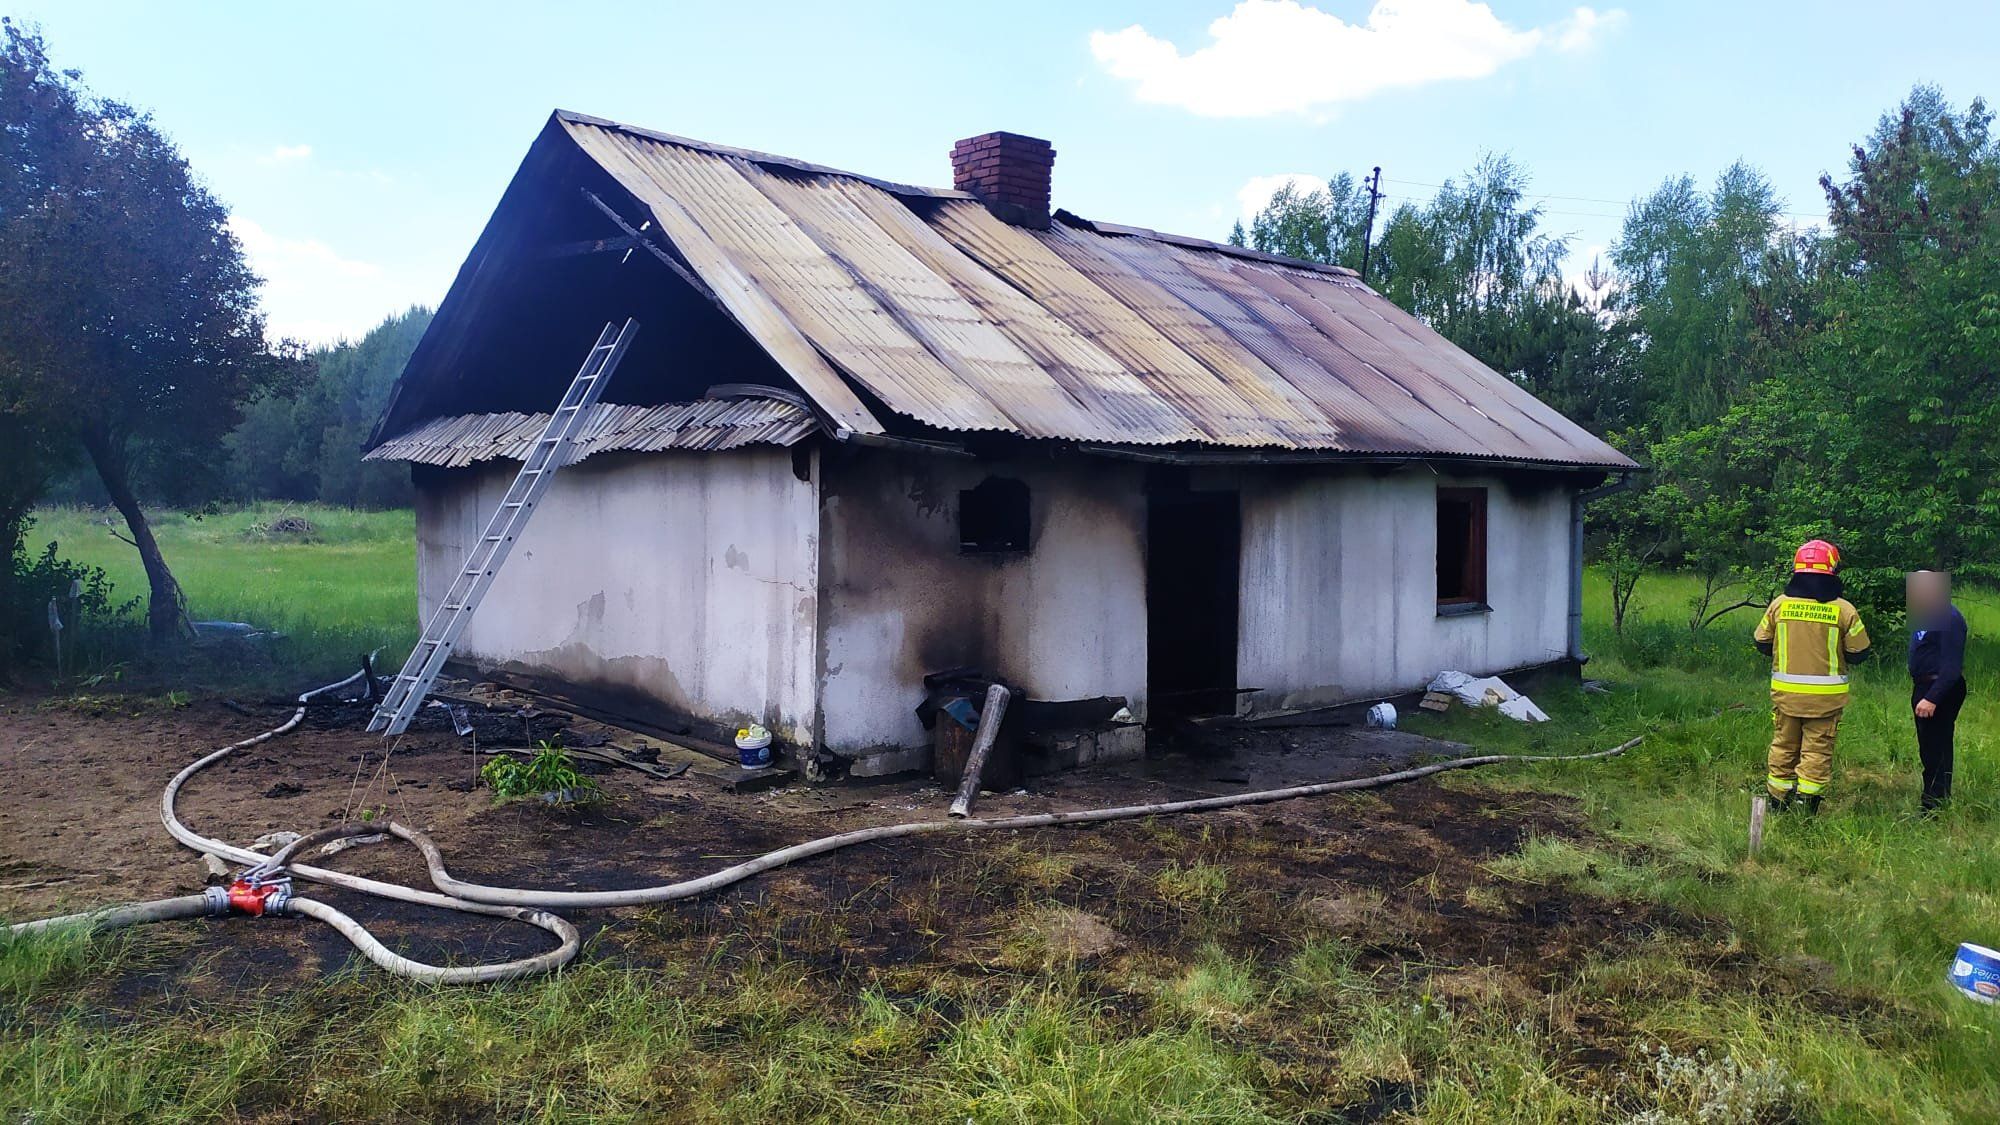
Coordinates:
[1801,753]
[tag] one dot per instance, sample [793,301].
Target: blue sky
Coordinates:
[361,145]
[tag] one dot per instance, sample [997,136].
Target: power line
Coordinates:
[1573,214]
[1627,203]
[1908,236]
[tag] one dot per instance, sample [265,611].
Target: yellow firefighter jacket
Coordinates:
[1811,643]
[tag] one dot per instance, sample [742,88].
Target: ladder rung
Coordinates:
[407,690]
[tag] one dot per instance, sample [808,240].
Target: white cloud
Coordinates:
[1279,56]
[1584,27]
[286,154]
[311,291]
[1258,190]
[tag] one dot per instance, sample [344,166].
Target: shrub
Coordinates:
[1699,1090]
[549,770]
[30,583]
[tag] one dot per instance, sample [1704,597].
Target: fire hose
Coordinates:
[264,885]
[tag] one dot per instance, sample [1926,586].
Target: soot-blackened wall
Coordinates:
[1065,619]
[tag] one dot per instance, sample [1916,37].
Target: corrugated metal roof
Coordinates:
[1083,332]
[711,424]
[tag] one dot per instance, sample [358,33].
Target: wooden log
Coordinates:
[982,745]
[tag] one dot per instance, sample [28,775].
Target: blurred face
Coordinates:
[1928,590]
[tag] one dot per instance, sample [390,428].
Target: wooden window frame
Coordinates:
[1472,579]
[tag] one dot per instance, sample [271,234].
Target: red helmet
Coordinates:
[1816,557]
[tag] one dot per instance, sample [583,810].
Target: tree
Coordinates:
[1689,267]
[132,326]
[1861,390]
[303,441]
[1910,355]
[1475,263]
[24,472]
[1714,495]
[1323,225]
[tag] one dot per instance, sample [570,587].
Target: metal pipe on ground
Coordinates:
[990,717]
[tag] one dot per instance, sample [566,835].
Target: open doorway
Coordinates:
[1193,549]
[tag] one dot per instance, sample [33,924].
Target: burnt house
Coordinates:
[870,431]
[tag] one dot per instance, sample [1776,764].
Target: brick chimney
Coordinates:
[1009,173]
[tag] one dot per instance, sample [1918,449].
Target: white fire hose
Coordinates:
[264,886]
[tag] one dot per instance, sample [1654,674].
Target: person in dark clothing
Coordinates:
[1937,678]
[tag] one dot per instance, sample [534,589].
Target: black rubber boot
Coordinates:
[1811,804]
[1777,802]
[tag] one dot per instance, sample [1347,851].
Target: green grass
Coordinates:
[1863,904]
[347,587]
[1878,893]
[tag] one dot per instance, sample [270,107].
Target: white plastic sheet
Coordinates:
[1489,691]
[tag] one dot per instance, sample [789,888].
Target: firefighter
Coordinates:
[1812,635]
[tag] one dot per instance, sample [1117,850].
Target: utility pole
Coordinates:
[1368,232]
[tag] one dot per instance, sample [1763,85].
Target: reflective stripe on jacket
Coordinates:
[1810,644]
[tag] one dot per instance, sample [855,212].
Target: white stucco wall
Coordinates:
[723,587]
[1066,620]
[687,579]
[1340,584]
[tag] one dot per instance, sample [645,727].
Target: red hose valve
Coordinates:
[256,897]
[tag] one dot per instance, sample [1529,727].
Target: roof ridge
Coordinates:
[757,157]
[1123,231]
[774,160]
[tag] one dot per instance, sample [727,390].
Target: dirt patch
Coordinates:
[1351,914]
[1399,875]
[1054,937]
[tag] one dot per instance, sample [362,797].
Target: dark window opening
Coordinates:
[993,518]
[1461,546]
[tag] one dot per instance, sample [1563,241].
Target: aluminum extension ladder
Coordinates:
[551,452]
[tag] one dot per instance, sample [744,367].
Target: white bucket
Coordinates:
[753,747]
[1382,715]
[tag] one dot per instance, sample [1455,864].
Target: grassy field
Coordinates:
[1878,894]
[345,587]
[1806,985]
